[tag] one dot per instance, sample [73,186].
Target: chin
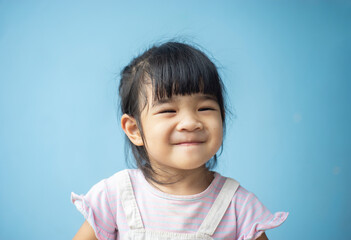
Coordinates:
[192,166]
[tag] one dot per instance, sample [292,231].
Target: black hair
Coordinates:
[172,68]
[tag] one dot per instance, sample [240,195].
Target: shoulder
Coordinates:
[241,194]
[109,182]
[252,216]
[121,176]
[115,177]
[243,201]
[118,181]
[110,185]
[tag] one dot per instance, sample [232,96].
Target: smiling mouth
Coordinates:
[189,143]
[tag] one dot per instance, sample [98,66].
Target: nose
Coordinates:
[189,122]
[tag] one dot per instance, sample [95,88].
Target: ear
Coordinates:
[130,127]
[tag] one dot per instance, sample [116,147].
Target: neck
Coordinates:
[182,182]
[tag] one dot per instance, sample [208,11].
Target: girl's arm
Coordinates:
[86,232]
[262,237]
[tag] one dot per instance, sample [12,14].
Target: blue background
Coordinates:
[286,66]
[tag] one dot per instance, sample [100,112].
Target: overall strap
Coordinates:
[219,207]
[129,204]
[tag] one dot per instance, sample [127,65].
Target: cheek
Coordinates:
[157,141]
[219,135]
[216,122]
[217,132]
[156,133]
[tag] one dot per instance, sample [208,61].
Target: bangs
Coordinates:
[181,70]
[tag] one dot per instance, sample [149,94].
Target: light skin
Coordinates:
[181,135]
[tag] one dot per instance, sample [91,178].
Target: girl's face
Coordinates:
[182,132]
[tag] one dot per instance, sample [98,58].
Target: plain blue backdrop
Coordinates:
[286,66]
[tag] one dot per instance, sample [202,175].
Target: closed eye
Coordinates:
[206,109]
[167,111]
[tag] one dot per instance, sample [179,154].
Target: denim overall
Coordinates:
[206,230]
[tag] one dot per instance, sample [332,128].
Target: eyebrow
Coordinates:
[169,100]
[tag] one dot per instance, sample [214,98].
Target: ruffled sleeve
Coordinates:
[96,210]
[254,219]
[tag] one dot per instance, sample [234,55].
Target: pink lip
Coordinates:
[188,143]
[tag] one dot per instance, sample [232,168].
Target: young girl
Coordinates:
[174,119]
